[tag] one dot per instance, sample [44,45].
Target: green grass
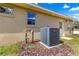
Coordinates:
[11,50]
[74,43]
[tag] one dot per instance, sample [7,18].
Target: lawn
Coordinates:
[11,50]
[74,43]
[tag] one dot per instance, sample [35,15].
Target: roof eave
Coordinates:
[42,10]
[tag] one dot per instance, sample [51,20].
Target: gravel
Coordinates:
[40,50]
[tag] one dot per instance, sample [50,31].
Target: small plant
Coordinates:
[31,46]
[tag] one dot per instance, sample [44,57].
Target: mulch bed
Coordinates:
[41,50]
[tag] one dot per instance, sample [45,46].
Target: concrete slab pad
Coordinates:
[67,38]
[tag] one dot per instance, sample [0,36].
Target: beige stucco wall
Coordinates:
[11,38]
[13,23]
[43,20]
[12,26]
[53,22]
[67,27]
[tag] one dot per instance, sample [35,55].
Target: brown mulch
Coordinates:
[40,50]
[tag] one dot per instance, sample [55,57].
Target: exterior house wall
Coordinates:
[12,25]
[68,27]
[62,30]
[43,20]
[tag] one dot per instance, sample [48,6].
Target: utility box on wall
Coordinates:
[50,36]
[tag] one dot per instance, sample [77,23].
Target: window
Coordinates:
[6,10]
[2,10]
[31,18]
[60,25]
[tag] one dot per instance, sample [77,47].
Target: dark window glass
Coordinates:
[2,10]
[31,18]
[6,10]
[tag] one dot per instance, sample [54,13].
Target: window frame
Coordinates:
[30,19]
